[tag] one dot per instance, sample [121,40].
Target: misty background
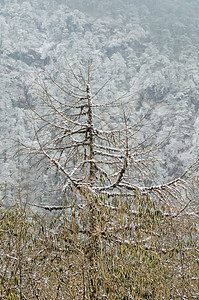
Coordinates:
[147,47]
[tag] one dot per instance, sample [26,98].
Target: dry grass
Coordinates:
[130,254]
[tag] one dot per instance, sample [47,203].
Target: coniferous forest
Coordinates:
[99,146]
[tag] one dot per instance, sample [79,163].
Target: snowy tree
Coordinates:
[101,164]
[91,153]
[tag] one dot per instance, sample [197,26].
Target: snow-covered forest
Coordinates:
[148,49]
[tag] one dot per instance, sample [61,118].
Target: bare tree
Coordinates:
[97,159]
[94,155]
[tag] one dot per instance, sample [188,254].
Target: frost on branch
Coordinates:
[75,134]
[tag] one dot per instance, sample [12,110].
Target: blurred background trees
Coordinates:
[147,48]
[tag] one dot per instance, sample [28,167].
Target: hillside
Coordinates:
[148,48]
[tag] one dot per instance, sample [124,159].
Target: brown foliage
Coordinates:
[133,254]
